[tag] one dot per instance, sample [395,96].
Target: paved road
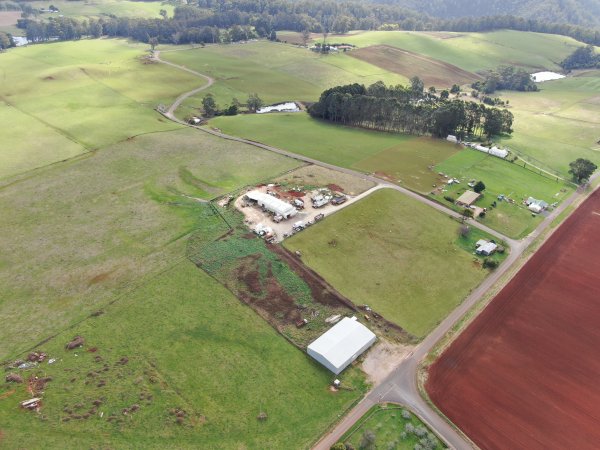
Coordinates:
[401,385]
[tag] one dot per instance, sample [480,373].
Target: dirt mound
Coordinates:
[77,342]
[14,378]
[335,188]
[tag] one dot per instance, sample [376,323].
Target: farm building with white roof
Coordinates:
[341,344]
[273,204]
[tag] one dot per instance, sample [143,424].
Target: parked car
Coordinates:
[338,199]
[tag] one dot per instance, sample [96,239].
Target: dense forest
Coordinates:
[209,21]
[576,12]
[409,109]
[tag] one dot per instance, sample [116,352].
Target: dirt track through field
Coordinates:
[432,71]
[525,374]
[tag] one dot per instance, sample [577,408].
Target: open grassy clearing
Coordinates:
[99,8]
[501,177]
[432,72]
[477,51]
[54,268]
[190,345]
[276,72]
[558,124]
[92,92]
[396,255]
[400,158]
[394,428]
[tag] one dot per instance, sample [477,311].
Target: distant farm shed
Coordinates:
[467,198]
[338,347]
[273,204]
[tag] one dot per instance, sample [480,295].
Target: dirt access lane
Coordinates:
[526,373]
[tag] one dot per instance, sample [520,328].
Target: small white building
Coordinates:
[338,347]
[273,204]
[485,248]
[536,206]
[452,138]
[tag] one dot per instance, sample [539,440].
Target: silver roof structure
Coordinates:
[341,344]
[273,204]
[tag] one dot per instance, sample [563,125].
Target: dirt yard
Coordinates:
[433,72]
[254,215]
[525,373]
[383,358]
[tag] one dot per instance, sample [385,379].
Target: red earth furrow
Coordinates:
[526,373]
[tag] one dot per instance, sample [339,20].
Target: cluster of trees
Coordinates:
[505,77]
[211,109]
[582,58]
[6,41]
[408,109]
[212,21]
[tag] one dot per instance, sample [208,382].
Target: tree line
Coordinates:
[213,21]
[578,12]
[409,109]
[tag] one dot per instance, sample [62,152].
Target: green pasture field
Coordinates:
[401,158]
[75,235]
[99,8]
[81,96]
[475,52]
[190,345]
[501,177]
[388,424]
[558,124]
[276,72]
[394,254]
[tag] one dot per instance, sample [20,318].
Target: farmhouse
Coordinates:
[467,199]
[341,344]
[272,204]
[485,248]
[536,206]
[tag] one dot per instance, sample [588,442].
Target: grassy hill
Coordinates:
[69,98]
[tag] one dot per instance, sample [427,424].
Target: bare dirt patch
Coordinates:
[311,175]
[383,358]
[432,71]
[8,18]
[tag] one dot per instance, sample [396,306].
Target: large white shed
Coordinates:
[341,344]
[273,204]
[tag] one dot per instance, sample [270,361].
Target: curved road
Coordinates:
[401,385]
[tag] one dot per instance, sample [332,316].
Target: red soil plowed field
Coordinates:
[526,373]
